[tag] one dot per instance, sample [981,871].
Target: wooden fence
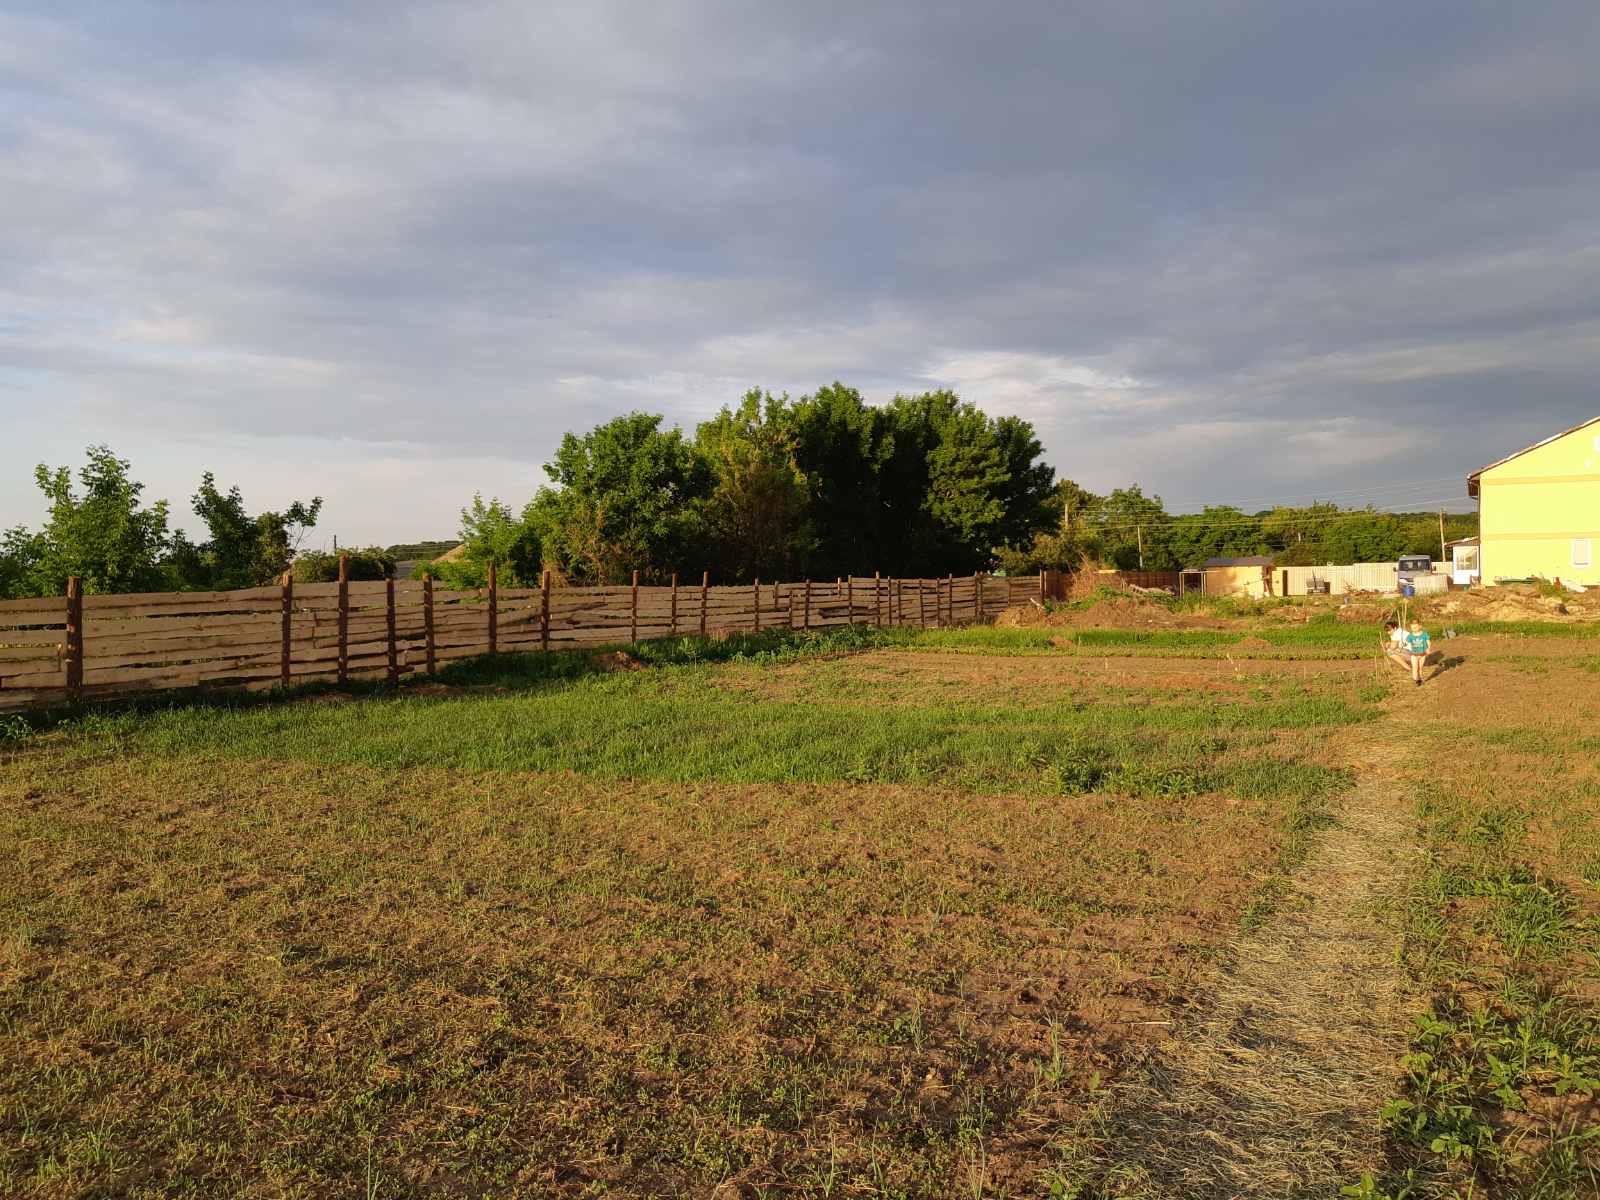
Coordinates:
[72,647]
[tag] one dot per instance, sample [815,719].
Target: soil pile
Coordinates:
[1517,602]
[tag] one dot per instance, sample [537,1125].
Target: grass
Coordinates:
[559,930]
[1503,933]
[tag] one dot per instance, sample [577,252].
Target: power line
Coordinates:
[1415,484]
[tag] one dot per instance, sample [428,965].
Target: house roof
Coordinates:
[1253,560]
[1472,480]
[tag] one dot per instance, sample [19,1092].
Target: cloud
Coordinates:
[392,252]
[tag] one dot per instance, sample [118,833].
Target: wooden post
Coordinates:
[344,618]
[950,598]
[850,597]
[74,637]
[1442,555]
[494,609]
[758,605]
[427,618]
[633,611]
[394,650]
[808,605]
[877,604]
[705,584]
[1043,584]
[922,596]
[288,624]
[674,604]
[544,612]
[977,601]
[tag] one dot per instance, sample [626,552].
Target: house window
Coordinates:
[1582,552]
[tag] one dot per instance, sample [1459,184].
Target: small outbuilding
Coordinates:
[1247,576]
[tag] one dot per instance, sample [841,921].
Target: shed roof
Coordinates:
[1472,480]
[1253,560]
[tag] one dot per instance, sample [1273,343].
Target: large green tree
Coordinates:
[240,550]
[631,496]
[757,523]
[103,533]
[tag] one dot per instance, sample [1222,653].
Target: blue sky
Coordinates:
[389,253]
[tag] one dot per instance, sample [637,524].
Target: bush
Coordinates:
[317,567]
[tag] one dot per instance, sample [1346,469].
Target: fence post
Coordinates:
[922,596]
[288,623]
[427,618]
[758,604]
[950,597]
[394,650]
[633,611]
[544,612]
[977,599]
[74,637]
[344,618]
[494,609]
[850,597]
[674,604]
[705,585]
[808,604]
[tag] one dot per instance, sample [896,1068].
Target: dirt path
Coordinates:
[1275,1090]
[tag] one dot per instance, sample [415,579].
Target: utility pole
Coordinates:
[1139,530]
[1442,555]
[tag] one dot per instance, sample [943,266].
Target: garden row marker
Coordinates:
[674,604]
[344,618]
[74,636]
[494,609]
[288,621]
[544,613]
[633,612]
[394,659]
[705,583]
[427,618]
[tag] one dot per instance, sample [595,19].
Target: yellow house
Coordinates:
[1539,510]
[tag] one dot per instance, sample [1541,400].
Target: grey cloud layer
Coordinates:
[1297,246]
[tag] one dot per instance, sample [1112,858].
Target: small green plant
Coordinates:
[14,731]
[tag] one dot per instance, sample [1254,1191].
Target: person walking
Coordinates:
[1417,644]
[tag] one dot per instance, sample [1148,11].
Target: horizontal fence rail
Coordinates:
[77,646]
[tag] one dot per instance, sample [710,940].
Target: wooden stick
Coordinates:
[427,618]
[950,598]
[494,609]
[674,604]
[288,624]
[977,597]
[922,594]
[394,649]
[544,612]
[705,584]
[808,605]
[344,618]
[74,636]
[877,610]
[758,604]
[633,611]
[850,597]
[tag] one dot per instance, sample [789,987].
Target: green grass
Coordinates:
[683,723]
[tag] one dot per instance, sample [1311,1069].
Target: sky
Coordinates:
[389,253]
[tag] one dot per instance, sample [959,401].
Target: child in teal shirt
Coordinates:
[1417,644]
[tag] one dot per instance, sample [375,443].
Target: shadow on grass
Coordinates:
[512,672]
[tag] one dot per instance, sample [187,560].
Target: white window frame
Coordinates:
[1587,553]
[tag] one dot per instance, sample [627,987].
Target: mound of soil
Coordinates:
[618,660]
[1516,603]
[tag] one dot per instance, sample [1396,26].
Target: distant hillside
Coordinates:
[419,551]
